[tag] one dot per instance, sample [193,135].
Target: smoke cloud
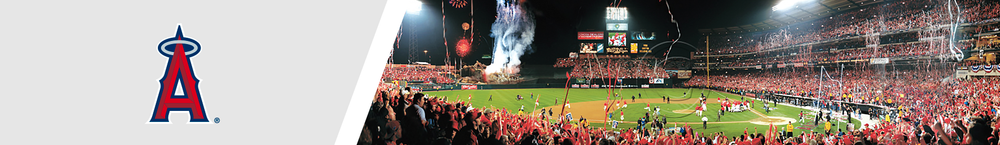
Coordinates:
[513,31]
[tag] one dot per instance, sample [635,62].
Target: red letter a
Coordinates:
[179,68]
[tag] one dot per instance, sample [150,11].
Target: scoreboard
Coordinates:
[616,37]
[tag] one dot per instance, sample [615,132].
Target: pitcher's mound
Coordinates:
[683,111]
[769,120]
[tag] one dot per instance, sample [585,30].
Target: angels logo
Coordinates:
[179,72]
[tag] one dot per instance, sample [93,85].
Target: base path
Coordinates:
[683,111]
[594,110]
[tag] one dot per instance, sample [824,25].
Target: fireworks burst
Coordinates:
[458,3]
[462,47]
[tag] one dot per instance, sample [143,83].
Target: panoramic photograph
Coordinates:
[742,72]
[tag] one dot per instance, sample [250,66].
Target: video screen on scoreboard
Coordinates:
[616,38]
[591,47]
[643,35]
[617,26]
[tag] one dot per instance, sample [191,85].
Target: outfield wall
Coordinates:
[813,102]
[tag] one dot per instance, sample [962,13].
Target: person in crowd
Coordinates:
[415,121]
[789,130]
[704,122]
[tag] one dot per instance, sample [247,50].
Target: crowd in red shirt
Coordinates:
[923,48]
[616,68]
[417,73]
[980,10]
[880,18]
[859,86]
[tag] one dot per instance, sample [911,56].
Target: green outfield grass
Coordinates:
[729,129]
[665,111]
[506,98]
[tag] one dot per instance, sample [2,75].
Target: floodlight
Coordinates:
[786,4]
[413,6]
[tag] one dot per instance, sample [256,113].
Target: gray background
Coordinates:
[86,72]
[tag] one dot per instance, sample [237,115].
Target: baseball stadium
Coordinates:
[691,72]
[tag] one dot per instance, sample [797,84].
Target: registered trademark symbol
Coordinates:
[217,120]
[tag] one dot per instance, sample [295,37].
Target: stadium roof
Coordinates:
[803,11]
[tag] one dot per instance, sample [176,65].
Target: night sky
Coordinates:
[558,21]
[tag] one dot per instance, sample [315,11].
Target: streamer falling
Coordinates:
[513,31]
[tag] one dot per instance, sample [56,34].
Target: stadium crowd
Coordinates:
[980,10]
[417,73]
[860,86]
[925,48]
[614,68]
[877,19]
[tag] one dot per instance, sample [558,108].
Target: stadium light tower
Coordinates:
[414,6]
